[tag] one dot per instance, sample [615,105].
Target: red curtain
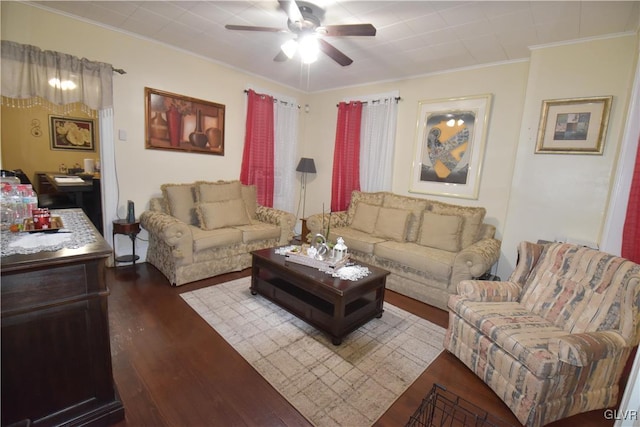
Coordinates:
[346,157]
[631,231]
[257,159]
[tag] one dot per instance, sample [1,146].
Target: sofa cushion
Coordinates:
[227,213]
[441,231]
[257,231]
[355,240]
[181,202]
[365,217]
[218,191]
[392,223]
[358,197]
[250,197]
[209,239]
[473,217]
[415,205]
[437,263]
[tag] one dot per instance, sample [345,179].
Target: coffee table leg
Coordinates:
[336,341]
[254,276]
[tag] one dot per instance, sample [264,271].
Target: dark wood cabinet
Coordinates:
[56,355]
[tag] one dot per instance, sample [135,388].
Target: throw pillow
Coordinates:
[250,197]
[358,197]
[392,223]
[180,199]
[227,213]
[365,217]
[440,231]
[415,205]
[218,191]
[472,220]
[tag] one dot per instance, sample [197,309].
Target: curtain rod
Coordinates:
[276,100]
[118,70]
[397,98]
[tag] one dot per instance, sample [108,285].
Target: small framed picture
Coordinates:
[69,133]
[574,125]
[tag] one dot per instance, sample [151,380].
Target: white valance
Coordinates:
[31,75]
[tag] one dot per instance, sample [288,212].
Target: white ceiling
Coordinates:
[413,37]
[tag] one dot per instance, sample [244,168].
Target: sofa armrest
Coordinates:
[489,291]
[315,222]
[171,231]
[285,220]
[474,261]
[585,348]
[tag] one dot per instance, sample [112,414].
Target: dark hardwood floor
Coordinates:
[172,369]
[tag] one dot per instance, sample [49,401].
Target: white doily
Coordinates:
[77,233]
[284,249]
[351,272]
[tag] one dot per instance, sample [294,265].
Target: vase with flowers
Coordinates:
[176,110]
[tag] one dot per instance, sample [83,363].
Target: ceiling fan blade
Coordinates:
[292,10]
[350,30]
[281,56]
[333,53]
[251,28]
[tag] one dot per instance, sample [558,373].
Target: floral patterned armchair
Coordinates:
[553,340]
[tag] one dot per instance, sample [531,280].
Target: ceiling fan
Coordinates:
[305,21]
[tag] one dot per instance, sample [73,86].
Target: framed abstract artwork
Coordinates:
[69,133]
[449,146]
[180,123]
[573,125]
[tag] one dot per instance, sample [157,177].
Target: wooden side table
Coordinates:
[131,229]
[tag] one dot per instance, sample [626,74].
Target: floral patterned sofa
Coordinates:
[204,229]
[553,340]
[428,246]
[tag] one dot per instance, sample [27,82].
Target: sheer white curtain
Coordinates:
[59,81]
[285,156]
[379,119]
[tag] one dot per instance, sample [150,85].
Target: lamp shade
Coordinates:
[306,165]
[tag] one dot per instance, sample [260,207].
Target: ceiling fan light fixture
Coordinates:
[309,49]
[289,48]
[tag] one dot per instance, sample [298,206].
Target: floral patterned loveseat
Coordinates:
[204,229]
[427,246]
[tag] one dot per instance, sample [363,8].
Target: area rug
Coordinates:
[352,384]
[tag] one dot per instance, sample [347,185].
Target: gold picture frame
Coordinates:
[573,125]
[449,146]
[180,123]
[71,133]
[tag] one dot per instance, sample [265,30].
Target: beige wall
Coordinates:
[565,197]
[527,196]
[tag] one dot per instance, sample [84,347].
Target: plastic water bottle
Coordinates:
[8,209]
[29,201]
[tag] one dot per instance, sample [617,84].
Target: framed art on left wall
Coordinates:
[69,133]
[181,123]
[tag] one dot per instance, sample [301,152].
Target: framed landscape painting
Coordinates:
[69,133]
[180,123]
[573,126]
[449,146]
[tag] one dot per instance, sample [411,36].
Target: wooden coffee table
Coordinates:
[334,306]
